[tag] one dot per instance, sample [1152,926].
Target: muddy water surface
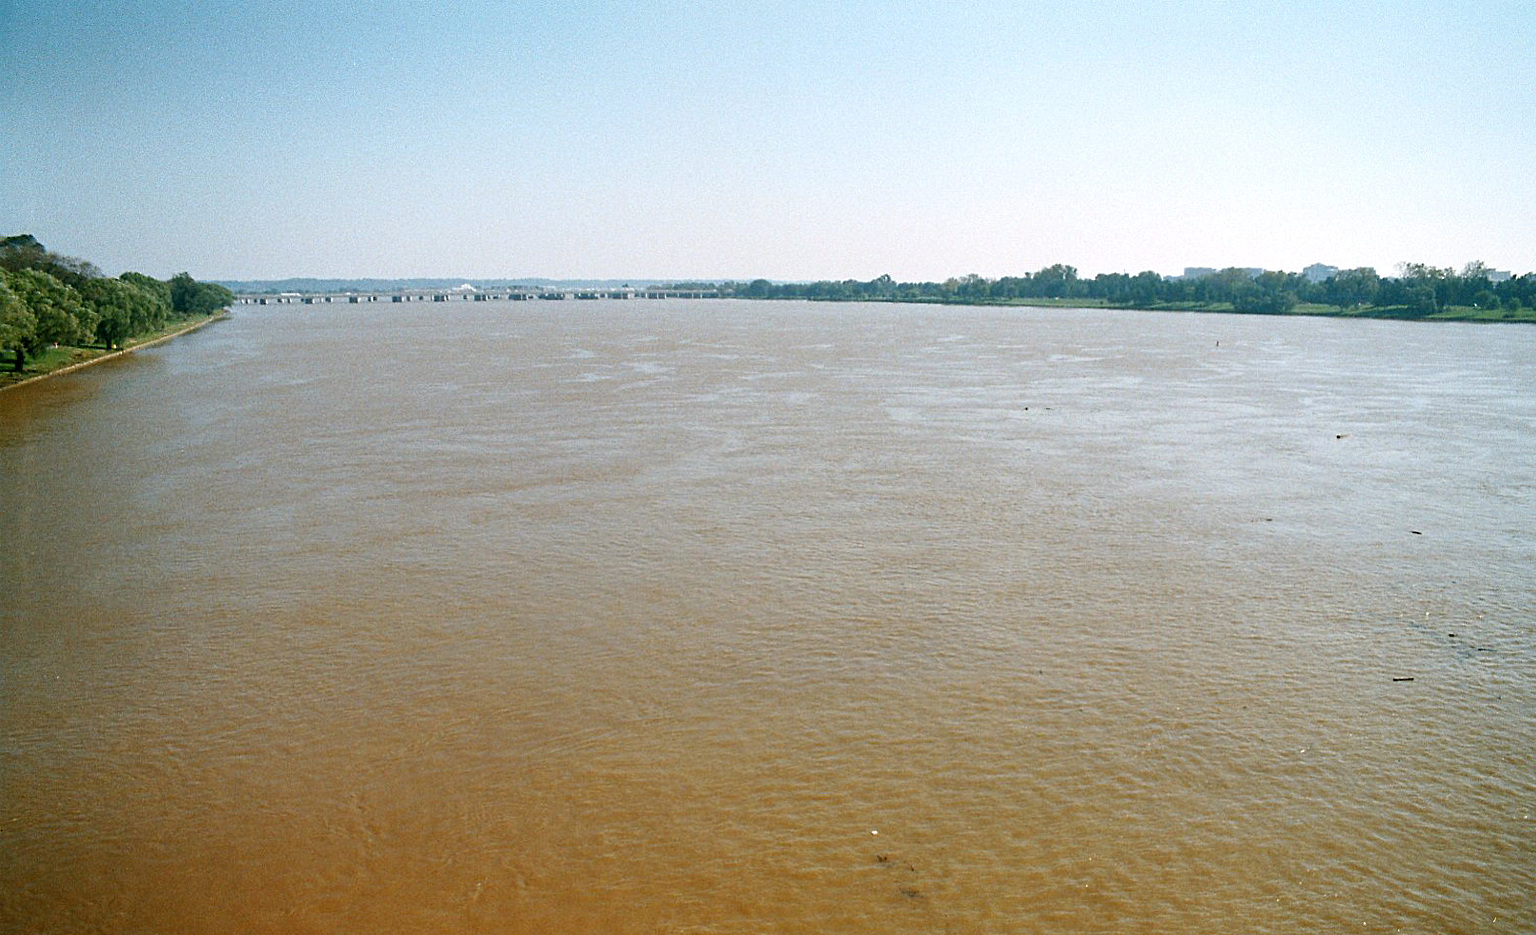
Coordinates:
[648,616]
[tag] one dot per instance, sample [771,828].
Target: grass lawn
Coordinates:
[1472,313]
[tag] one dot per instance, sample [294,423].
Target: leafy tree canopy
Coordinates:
[61,316]
[17,324]
[23,251]
[190,297]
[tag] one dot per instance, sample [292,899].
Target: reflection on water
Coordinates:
[645,617]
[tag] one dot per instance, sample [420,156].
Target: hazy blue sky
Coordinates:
[786,139]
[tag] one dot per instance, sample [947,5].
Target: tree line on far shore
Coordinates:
[48,300]
[1419,291]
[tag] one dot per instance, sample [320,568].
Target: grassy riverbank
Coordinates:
[1393,312]
[62,359]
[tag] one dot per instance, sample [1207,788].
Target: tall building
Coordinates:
[1318,272]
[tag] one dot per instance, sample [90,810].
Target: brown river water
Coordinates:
[729,617]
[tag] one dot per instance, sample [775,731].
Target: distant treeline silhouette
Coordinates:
[1419,289]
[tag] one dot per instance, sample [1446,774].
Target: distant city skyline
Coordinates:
[795,142]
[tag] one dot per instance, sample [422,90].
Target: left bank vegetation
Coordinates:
[56,311]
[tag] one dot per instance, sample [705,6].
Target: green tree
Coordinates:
[122,308]
[16,325]
[1270,293]
[158,288]
[1144,288]
[1232,285]
[973,286]
[1352,287]
[215,297]
[1056,281]
[183,292]
[1114,288]
[1425,289]
[23,251]
[62,317]
[1419,296]
[155,309]
[190,297]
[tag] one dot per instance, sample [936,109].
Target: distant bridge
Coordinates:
[457,295]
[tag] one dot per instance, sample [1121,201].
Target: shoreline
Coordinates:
[1458,313]
[113,355]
